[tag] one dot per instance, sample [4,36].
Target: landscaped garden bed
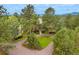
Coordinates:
[37,42]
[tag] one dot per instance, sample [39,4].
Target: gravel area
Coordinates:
[21,50]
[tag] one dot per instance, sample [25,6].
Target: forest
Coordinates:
[38,31]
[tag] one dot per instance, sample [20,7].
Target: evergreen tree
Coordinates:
[64,42]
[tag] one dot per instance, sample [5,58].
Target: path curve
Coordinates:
[21,50]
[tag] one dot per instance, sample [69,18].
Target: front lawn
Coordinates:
[44,41]
[39,42]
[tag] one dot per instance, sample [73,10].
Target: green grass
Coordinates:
[44,41]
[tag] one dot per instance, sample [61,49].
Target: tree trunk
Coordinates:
[40,32]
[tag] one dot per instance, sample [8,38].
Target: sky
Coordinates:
[40,8]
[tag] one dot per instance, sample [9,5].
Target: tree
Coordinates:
[32,41]
[40,25]
[3,11]
[64,42]
[29,18]
[71,21]
[49,20]
[50,10]
[28,11]
[8,28]
[16,14]
[76,41]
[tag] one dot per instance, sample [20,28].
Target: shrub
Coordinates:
[77,41]
[64,42]
[4,48]
[33,42]
[8,28]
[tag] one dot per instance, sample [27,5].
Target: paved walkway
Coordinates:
[21,50]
